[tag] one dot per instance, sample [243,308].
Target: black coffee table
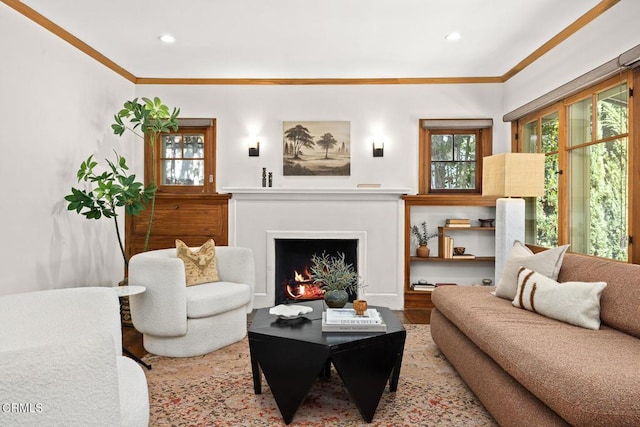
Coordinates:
[292,354]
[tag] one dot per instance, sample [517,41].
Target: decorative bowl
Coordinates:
[459,250]
[486,222]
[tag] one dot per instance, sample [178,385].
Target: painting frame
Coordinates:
[316,148]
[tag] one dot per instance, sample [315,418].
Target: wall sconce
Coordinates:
[378,149]
[254,150]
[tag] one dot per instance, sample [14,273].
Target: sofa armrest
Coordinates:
[162,309]
[70,383]
[236,264]
[51,316]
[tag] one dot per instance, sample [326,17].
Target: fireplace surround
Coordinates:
[373,217]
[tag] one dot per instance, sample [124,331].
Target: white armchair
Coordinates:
[61,361]
[181,321]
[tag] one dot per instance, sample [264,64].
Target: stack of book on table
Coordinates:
[346,320]
[457,223]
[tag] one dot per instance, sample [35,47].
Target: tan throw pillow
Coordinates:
[577,303]
[547,263]
[200,264]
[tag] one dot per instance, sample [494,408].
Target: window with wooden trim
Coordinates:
[588,164]
[451,152]
[184,159]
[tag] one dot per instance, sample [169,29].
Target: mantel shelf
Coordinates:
[292,193]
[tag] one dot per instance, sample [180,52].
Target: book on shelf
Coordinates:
[352,327]
[457,223]
[422,287]
[448,247]
[446,284]
[347,316]
[464,256]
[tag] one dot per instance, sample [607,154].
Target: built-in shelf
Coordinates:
[422,299]
[440,259]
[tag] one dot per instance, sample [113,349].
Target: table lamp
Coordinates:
[511,176]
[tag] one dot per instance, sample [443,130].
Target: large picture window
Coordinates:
[586,142]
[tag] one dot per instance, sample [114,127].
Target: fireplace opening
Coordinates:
[293,264]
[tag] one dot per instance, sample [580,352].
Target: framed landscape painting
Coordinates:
[316,148]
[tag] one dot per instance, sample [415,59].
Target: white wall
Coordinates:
[389,112]
[612,33]
[56,105]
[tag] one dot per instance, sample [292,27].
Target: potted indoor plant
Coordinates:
[423,236]
[152,118]
[105,192]
[335,277]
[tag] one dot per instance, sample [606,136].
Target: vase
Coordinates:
[360,306]
[423,251]
[336,298]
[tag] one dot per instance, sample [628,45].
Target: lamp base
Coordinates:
[510,215]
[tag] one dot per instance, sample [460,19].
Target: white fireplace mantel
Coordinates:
[256,214]
[292,193]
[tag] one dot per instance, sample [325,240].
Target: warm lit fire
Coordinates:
[302,286]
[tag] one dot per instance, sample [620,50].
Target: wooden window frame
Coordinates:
[484,145]
[632,78]
[204,126]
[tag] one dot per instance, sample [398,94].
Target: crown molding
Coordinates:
[51,26]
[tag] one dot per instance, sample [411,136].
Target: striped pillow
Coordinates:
[577,303]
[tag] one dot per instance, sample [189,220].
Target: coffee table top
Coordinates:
[308,327]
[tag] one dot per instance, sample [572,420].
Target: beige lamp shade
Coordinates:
[513,175]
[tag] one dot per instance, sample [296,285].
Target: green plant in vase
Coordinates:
[105,192]
[423,236]
[335,277]
[152,117]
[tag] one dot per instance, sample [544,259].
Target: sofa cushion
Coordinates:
[199,264]
[620,300]
[577,303]
[547,263]
[210,299]
[588,377]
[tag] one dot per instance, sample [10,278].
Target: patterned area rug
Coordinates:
[217,390]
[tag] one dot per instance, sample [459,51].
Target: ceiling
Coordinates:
[314,39]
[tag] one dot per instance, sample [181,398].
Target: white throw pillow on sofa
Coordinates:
[577,303]
[547,263]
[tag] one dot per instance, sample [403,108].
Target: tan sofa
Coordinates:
[529,370]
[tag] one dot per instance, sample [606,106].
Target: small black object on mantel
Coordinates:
[264,177]
[270,179]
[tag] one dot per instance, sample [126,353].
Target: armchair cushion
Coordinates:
[200,263]
[211,299]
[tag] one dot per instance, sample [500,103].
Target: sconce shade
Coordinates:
[513,175]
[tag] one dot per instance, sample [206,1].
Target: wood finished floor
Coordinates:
[132,339]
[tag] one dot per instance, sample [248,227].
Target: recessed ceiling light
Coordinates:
[453,36]
[167,38]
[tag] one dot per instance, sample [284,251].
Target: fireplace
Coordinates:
[293,263]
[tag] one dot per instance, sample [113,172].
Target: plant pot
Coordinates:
[423,251]
[336,298]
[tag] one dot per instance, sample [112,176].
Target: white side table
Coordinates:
[127,291]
